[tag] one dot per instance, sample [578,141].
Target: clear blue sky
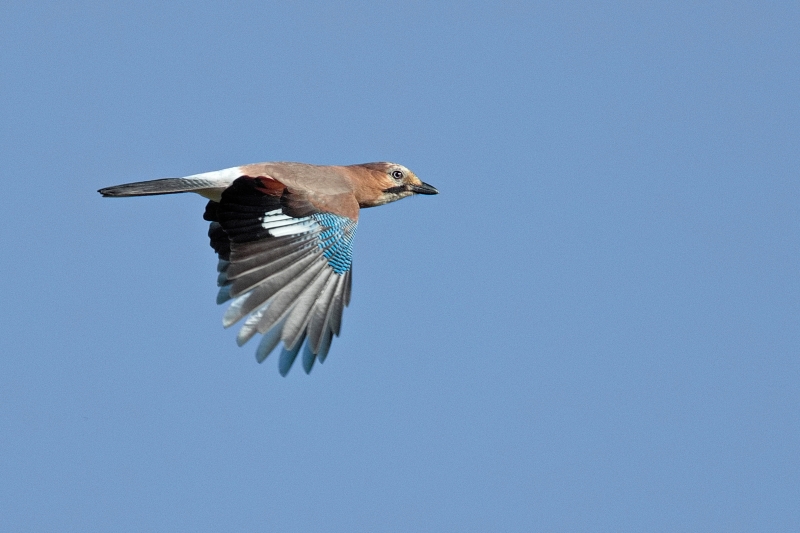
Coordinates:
[594,327]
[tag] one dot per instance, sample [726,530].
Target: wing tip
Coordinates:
[308,358]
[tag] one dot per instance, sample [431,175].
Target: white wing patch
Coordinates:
[280,225]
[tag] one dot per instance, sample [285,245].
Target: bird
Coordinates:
[283,233]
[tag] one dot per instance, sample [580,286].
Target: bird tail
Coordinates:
[207,183]
[148,188]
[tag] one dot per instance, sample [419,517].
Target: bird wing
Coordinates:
[284,263]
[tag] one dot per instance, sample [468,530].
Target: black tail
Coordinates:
[162,186]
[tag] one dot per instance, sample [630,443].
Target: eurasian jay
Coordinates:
[284,235]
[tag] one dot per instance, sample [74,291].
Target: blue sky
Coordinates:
[594,327]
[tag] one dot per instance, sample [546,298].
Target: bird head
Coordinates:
[392,182]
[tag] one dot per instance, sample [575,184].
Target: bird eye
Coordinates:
[397,174]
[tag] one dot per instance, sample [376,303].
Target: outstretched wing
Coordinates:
[284,264]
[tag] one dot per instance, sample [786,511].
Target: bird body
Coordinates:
[283,233]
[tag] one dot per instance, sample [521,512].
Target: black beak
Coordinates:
[423,189]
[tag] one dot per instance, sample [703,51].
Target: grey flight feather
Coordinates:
[285,299]
[288,356]
[320,312]
[279,265]
[257,258]
[338,306]
[308,358]
[325,346]
[268,343]
[300,315]
[266,290]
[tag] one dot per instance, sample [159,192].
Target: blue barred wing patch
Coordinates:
[336,240]
[334,234]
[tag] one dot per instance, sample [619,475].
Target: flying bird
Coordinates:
[284,236]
